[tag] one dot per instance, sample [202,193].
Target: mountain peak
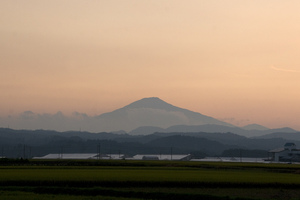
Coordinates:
[151,102]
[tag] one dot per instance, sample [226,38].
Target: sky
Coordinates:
[237,61]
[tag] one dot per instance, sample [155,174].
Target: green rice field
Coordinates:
[148,180]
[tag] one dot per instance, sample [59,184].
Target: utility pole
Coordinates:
[29,152]
[24,153]
[99,151]
[61,152]
[171,153]
[240,155]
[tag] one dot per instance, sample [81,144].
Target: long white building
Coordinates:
[81,156]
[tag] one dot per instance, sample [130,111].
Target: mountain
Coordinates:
[152,112]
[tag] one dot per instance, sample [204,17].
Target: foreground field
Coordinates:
[148,180]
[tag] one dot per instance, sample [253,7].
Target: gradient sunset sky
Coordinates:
[237,61]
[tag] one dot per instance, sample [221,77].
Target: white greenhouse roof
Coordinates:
[69,156]
[277,150]
[81,156]
[159,156]
[112,156]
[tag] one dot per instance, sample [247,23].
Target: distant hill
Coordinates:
[189,143]
[292,136]
[255,127]
[146,130]
[209,128]
[232,140]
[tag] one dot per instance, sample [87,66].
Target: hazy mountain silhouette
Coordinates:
[152,112]
[210,128]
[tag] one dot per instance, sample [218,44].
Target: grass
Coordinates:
[17,195]
[150,180]
[146,174]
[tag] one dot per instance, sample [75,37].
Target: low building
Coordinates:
[289,153]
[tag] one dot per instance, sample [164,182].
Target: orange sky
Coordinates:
[233,60]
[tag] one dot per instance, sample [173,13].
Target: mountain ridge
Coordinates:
[255,127]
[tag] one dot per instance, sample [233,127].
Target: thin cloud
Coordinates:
[284,70]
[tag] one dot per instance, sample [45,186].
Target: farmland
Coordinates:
[147,180]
